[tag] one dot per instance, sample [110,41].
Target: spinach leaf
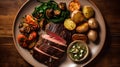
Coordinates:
[40,12]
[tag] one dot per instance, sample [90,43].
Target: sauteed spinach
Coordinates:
[51,11]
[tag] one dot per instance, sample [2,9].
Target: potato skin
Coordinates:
[82,28]
[69,24]
[77,16]
[92,35]
[93,24]
[88,11]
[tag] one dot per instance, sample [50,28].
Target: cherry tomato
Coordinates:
[32,36]
[22,40]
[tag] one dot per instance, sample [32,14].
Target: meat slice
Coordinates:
[60,30]
[42,41]
[41,57]
[51,50]
[53,39]
[45,58]
[55,36]
[58,46]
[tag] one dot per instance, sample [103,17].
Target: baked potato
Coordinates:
[92,35]
[77,16]
[69,24]
[93,24]
[88,11]
[82,28]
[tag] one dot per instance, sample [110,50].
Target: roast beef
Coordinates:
[60,30]
[51,50]
[58,46]
[54,39]
[45,58]
[52,45]
[47,50]
[42,40]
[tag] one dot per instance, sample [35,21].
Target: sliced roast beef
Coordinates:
[45,58]
[42,40]
[60,30]
[58,46]
[51,47]
[51,50]
[54,39]
[41,57]
[51,44]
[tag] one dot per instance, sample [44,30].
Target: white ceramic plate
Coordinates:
[95,49]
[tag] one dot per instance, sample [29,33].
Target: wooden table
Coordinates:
[109,56]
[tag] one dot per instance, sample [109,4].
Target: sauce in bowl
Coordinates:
[77,50]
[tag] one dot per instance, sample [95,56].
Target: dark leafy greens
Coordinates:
[40,12]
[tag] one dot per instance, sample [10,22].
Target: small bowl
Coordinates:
[81,50]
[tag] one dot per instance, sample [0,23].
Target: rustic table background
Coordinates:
[109,56]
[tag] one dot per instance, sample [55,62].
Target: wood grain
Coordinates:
[109,56]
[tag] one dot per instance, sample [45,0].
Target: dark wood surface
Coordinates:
[109,56]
